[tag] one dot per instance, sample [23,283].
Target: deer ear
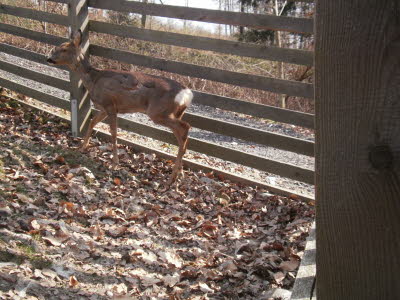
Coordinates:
[77,38]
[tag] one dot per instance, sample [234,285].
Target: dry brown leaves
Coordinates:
[73,228]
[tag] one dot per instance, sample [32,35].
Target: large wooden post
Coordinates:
[357,81]
[80,100]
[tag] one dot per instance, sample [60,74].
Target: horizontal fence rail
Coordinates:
[292,88]
[35,75]
[26,54]
[298,25]
[32,35]
[254,109]
[293,56]
[262,137]
[258,136]
[31,92]
[250,160]
[34,14]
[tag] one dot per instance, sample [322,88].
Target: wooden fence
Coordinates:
[78,17]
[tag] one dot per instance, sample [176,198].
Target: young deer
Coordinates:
[117,92]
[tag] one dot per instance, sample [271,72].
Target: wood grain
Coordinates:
[358,149]
[78,14]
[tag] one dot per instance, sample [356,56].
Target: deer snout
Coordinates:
[51,61]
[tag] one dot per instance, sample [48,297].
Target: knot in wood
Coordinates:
[381,157]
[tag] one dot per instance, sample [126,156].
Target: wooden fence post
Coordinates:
[357,72]
[80,100]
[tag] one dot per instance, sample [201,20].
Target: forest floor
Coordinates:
[71,227]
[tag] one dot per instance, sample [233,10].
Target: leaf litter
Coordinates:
[71,227]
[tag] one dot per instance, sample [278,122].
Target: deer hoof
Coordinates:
[115,161]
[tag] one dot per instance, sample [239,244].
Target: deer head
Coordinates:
[67,53]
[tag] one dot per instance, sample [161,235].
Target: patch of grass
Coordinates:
[2,174]
[13,103]
[40,263]
[21,189]
[61,196]
[6,256]
[27,249]
[26,252]
[36,237]
[25,152]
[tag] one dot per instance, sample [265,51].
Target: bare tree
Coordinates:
[144,17]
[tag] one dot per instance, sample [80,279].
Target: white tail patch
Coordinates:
[184,97]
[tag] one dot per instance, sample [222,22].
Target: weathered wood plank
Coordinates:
[23,53]
[299,25]
[254,161]
[30,92]
[34,75]
[274,85]
[78,14]
[31,34]
[358,149]
[33,14]
[304,286]
[254,109]
[293,56]
[251,134]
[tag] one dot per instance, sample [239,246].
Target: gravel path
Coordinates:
[248,147]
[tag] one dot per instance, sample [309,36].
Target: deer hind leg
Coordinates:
[181,135]
[100,116]
[180,129]
[113,131]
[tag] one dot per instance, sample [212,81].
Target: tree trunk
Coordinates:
[144,17]
[278,41]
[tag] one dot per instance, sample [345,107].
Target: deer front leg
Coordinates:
[96,119]
[113,131]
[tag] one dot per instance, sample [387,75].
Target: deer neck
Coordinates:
[86,72]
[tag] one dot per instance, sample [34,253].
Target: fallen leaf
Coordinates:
[205,288]
[117,181]
[171,280]
[290,265]
[279,276]
[73,282]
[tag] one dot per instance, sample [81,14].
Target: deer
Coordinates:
[115,92]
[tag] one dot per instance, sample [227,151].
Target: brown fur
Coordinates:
[114,92]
